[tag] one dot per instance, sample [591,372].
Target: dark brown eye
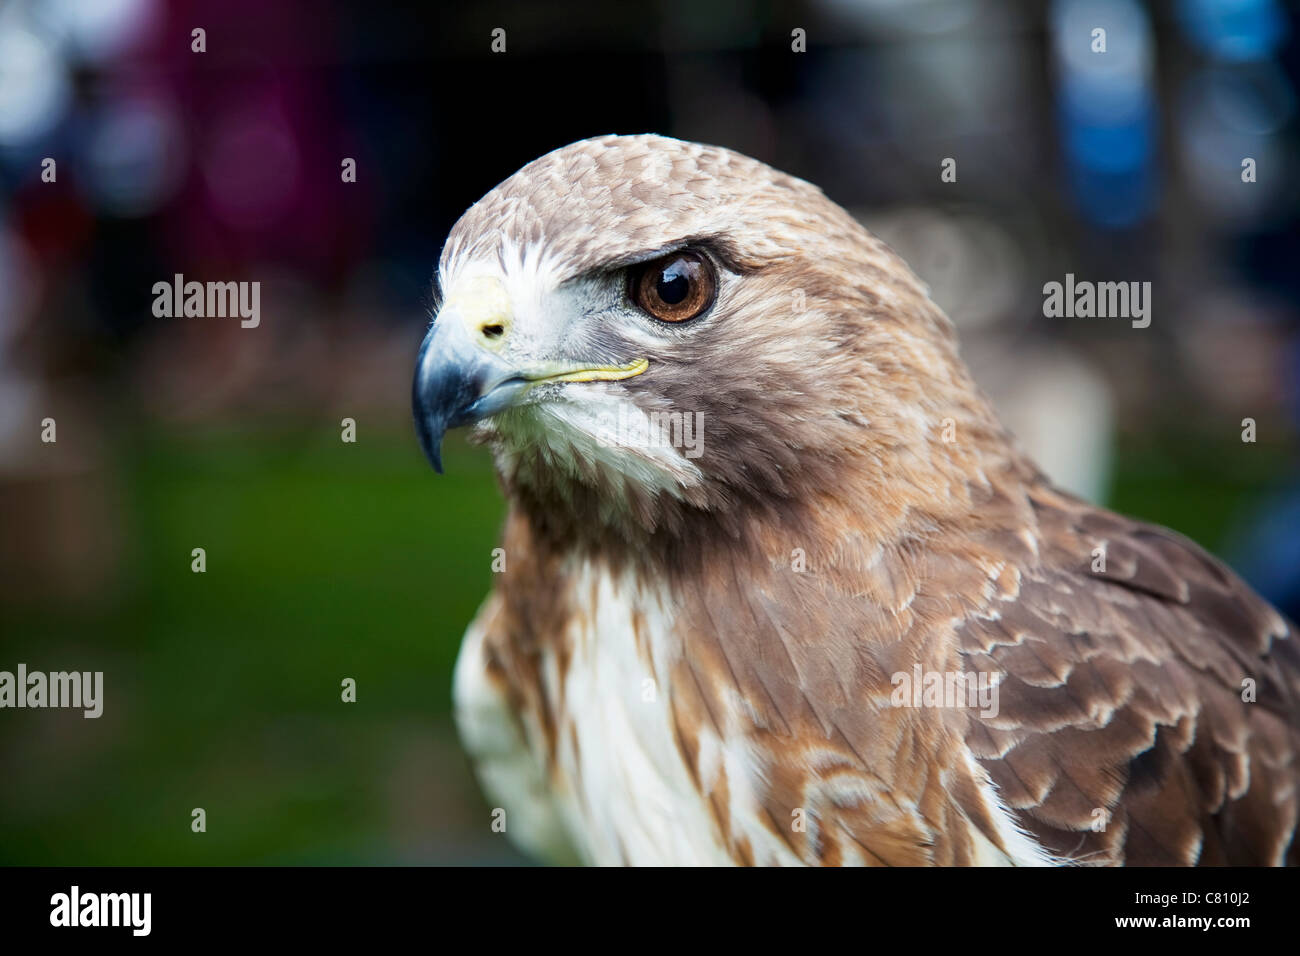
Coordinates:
[675,288]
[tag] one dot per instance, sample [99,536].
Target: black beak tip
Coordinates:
[429,427]
[430,439]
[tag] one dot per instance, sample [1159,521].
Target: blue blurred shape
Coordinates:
[1234,29]
[1267,551]
[1122,143]
[1106,108]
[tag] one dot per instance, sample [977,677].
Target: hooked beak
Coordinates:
[463,376]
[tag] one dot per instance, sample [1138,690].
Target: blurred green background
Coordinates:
[325,560]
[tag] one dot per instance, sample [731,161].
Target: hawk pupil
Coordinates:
[672,285]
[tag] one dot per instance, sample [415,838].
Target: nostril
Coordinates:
[493,331]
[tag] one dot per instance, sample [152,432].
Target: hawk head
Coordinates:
[654,335]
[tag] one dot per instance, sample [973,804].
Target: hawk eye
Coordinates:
[675,288]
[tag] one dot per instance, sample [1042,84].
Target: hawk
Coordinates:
[753,495]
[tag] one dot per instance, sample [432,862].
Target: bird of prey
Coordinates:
[761,524]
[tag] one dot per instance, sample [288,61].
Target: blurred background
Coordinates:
[328,560]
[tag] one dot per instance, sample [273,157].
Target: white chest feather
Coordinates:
[625,790]
[621,791]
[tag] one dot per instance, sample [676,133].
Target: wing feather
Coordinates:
[1122,701]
